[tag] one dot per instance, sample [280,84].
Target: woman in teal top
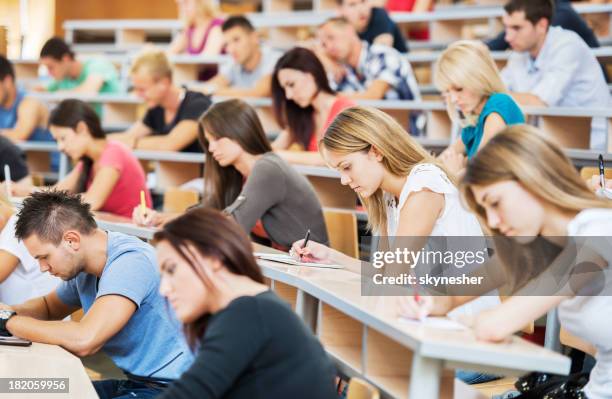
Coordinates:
[476,99]
[498,103]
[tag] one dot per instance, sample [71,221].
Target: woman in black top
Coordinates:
[249,343]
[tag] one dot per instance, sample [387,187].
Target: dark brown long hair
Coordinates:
[215,236]
[300,121]
[239,122]
[68,114]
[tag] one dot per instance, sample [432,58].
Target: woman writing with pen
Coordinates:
[523,187]
[244,177]
[406,192]
[106,172]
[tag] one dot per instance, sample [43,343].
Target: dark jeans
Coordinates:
[124,389]
[475,377]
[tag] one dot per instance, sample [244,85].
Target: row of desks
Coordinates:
[361,334]
[283,25]
[366,339]
[186,68]
[570,127]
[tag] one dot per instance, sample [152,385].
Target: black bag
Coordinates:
[552,386]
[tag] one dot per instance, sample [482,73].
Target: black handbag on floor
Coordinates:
[552,386]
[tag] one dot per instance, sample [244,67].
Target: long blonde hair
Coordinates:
[467,64]
[358,129]
[523,154]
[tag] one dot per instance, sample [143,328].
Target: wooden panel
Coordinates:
[332,194]
[120,113]
[177,200]
[173,174]
[38,161]
[286,292]
[342,231]
[438,125]
[340,335]
[568,132]
[112,9]
[386,357]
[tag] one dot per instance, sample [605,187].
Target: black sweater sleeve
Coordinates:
[231,342]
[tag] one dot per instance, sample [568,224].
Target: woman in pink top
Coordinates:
[304,105]
[202,33]
[106,172]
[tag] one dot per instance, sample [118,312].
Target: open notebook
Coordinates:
[285,258]
[442,323]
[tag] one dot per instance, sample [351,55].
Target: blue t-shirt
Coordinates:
[8,120]
[499,103]
[151,344]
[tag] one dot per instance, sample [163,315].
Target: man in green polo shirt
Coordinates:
[71,75]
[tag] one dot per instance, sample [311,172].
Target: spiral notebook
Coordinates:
[286,259]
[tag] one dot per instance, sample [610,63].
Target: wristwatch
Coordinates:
[5,315]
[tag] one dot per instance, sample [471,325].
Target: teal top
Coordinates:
[499,103]
[93,66]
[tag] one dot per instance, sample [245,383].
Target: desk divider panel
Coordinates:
[285,292]
[127,113]
[183,73]
[38,161]
[439,125]
[387,363]
[341,335]
[569,132]
[130,36]
[332,194]
[173,174]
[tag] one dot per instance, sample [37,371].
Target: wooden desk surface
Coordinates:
[45,361]
[342,290]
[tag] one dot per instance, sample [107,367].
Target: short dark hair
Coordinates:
[56,48]
[49,213]
[534,10]
[239,21]
[6,68]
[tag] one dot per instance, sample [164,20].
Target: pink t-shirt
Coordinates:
[338,106]
[126,193]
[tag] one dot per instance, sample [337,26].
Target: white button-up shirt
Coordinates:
[564,74]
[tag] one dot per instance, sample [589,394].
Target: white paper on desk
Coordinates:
[284,258]
[442,323]
[604,193]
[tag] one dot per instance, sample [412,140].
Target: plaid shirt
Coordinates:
[377,62]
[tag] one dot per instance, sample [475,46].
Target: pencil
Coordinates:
[143,202]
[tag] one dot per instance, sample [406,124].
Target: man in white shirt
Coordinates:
[551,66]
[249,73]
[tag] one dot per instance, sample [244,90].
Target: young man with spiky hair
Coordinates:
[114,278]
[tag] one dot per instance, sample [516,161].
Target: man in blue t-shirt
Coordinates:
[21,118]
[114,278]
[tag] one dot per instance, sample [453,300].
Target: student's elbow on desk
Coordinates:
[487,327]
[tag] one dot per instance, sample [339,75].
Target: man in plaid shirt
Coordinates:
[366,71]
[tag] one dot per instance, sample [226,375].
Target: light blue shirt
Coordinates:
[239,77]
[564,74]
[151,344]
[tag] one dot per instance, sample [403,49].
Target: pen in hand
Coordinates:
[602,173]
[305,242]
